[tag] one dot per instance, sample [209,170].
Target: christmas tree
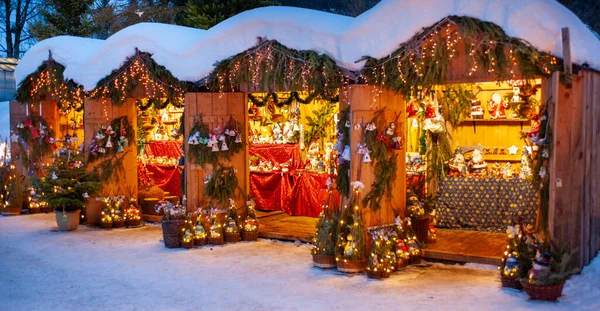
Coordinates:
[350,242]
[517,259]
[67,185]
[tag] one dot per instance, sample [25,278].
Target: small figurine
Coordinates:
[413,206]
[495,170]
[477,164]
[476,109]
[349,248]
[525,172]
[507,171]
[497,107]
[458,165]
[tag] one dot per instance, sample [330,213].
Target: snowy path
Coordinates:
[131,269]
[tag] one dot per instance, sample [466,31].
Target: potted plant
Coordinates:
[13,190]
[323,251]
[350,250]
[67,186]
[173,222]
[382,259]
[550,270]
[516,261]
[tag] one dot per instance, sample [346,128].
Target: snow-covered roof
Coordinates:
[189,54]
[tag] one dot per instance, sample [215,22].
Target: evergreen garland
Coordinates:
[136,72]
[457,102]
[271,66]
[202,154]
[110,163]
[439,152]
[293,96]
[424,60]
[48,82]
[384,160]
[34,150]
[343,169]
[318,124]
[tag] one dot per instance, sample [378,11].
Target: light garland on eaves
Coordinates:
[425,60]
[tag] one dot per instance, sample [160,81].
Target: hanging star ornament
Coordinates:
[513,149]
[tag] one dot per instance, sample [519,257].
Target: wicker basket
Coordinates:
[201,242]
[324,261]
[9,211]
[250,236]
[401,263]
[172,232]
[133,222]
[119,223]
[543,292]
[379,274]
[352,266]
[509,282]
[106,225]
[187,245]
[232,237]
[216,241]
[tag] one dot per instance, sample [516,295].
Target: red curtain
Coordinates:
[162,148]
[167,177]
[308,194]
[270,190]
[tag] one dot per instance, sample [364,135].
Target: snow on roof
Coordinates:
[189,54]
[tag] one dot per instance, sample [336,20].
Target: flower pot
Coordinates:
[70,223]
[119,223]
[172,232]
[401,263]
[351,266]
[133,223]
[188,245]
[252,236]
[201,242]
[106,225]
[379,274]
[9,211]
[415,259]
[421,228]
[324,261]
[216,240]
[543,292]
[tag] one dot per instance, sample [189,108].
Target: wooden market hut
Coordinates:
[568,210]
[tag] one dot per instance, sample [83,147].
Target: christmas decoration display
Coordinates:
[67,186]
[551,268]
[107,145]
[516,261]
[215,233]
[12,193]
[325,239]
[350,250]
[250,224]
[210,142]
[173,220]
[36,141]
[497,107]
[113,213]
[188,233]
[408,248]
[232,229]
[200,234]
[379,145]
[133,217]
[382,259]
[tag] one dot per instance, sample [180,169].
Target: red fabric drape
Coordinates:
[162,148]
[270,190]
[308,194]
[278,153]
[166,177]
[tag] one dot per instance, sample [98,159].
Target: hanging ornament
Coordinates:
[346,154]
[389,131]
[224,146]
[357,126]
[101,150]
[361,149]
[215,147]
[20,125]
[124,141]
[348,124]
[108,143]
[54,177]
[100,136]
[85,195]
[67,139]
[222,137]
[109,130]
[238,138]
[120,148]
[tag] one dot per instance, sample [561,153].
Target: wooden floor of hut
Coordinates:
[451,245]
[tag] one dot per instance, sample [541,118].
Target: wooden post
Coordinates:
[567,64]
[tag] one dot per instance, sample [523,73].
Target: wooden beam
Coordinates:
[567,64]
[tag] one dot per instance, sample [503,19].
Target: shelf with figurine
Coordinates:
[159,141]
[477,167]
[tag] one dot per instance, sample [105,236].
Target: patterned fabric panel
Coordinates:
[485,204]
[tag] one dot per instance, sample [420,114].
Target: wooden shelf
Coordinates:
[495,120]
[501,158]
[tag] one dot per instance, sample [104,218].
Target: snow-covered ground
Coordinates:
[130,269]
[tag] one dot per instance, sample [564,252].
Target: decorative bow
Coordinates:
[34,133]
[384,139]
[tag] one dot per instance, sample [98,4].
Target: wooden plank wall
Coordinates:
[364,102]
[574,172]
[215,107]
[94,118]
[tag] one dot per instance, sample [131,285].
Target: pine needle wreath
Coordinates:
[222,185]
